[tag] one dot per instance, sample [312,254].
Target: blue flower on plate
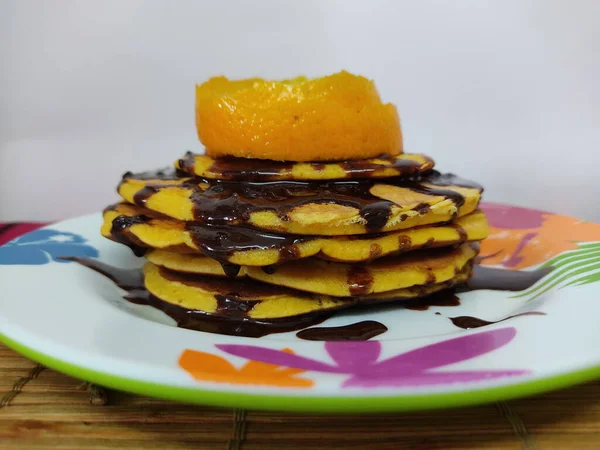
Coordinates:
[42,246]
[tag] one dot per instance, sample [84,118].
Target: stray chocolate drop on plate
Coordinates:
[360,331]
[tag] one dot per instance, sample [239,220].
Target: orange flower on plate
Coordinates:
[208,367]
[521,238]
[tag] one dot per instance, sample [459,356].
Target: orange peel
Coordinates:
[332,118]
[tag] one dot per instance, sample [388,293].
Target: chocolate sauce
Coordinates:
[231,270]
[230,317]
[236,298]
[360,281]
[462,234]
[200,321]
[269,270]
[468,322]
[217,242]
[141,197]
[120,226]
[245,169]
[428,243]
[219,202]
[242,289]
[404,243]
[221,242]
[360,331]
[423,208]
[231,305]
[446,297]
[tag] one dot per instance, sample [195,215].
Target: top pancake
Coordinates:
[328,208]
[242,169]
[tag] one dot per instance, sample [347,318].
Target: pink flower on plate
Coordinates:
[417,367]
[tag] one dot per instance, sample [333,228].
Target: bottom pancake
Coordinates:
[234,298]
[246,301]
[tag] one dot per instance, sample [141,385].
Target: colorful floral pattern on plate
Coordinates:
[43,246]
[521,237]
[208,367]
[359,361]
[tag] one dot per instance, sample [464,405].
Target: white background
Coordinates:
[506,92]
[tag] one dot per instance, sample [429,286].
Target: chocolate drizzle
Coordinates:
[219,202]
[141,197]
[468,322]
[231,270]
[231,305]
[221,242]
[360,331]
[360,281]
[245,169]
[119,228]
[236,298]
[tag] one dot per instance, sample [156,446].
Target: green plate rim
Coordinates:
[304,403]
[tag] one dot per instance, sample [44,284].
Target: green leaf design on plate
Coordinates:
[573,268]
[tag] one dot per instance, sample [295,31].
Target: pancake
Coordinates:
[425,267]
[243,169]
[342,280]
[307,207]
[416,292]
[249,299]
[234,298]
[141,228]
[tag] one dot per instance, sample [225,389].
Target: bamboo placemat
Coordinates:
[43,409]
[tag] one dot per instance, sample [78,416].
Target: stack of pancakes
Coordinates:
[257,245]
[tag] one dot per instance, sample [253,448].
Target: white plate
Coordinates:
[75,320]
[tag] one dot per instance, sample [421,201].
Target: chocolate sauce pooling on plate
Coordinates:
[498,279]
[468,322]
[222,202]
[360,331]
[446,297]
[230,317]
[244,169]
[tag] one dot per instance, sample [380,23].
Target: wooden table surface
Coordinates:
[43,409]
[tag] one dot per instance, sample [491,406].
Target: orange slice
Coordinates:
[332,118]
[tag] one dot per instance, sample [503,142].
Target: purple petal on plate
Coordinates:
[448,352]
[427,378]
[512,217]
[277,357]
[353,356]
[515,259]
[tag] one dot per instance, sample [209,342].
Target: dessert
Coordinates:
[304,204]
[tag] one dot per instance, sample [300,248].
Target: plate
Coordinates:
[74,320]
